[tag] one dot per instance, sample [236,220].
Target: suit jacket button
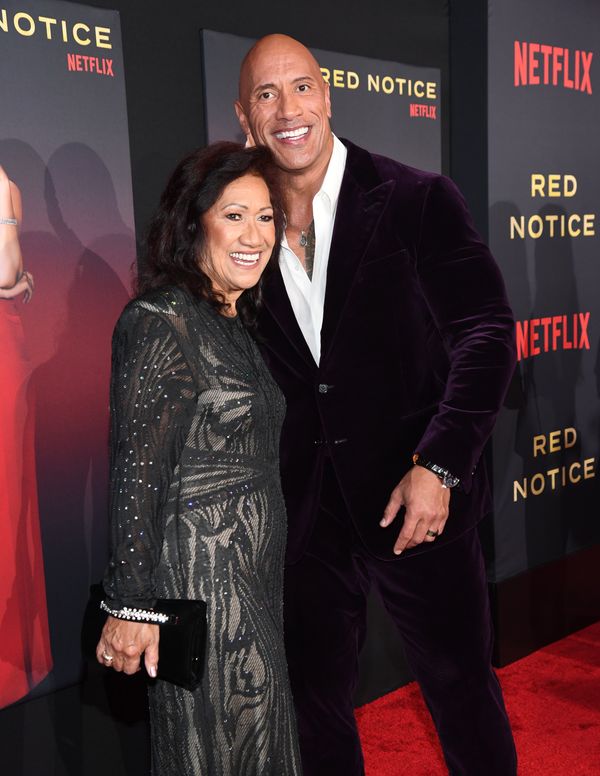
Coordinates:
[323,387]
[339,441]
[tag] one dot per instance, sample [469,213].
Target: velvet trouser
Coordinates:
[439,602]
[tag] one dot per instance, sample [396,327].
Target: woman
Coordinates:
[196,505]
[24,641]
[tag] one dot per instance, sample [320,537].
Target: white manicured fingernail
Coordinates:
[152,671]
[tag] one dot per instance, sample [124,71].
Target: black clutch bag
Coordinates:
[182,644]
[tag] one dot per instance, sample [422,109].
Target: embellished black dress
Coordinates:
[197,512]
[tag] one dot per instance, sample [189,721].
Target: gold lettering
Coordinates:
[47,21]
[588,468]
[570,187]
[387,84]
[517,227]
[372,82]
[554,439]
[519,490]
[566,475]
[550,186]
[537,489]
[539,445]
[572,231]
[76,28]
[552,474]
[17,22]
[554,185]
[338,79]
[537,184]
[103,37]
[553,225]
[536,220]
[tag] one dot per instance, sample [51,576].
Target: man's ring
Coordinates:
[431,533]
[107,658]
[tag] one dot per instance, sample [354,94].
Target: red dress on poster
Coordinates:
[25,657]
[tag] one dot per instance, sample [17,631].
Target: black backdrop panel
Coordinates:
[544,112]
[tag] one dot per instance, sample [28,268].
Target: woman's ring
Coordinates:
[107,658]
[431,533]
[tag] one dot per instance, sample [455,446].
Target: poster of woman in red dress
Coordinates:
[25,657]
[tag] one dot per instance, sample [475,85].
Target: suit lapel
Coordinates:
[287,330]
[359,210]
[362,201]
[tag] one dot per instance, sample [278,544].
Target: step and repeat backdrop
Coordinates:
[544,193]
[64,141]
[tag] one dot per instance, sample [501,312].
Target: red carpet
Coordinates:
[553,700]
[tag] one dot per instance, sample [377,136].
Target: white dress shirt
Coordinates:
[307,296]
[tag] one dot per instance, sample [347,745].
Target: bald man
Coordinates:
[387,327]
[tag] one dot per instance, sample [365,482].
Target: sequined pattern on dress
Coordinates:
[197,512]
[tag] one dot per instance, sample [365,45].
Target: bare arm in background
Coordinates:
[14,280]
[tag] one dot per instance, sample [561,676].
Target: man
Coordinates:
[387,327]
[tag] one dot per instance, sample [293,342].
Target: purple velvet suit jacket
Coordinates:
[417,352]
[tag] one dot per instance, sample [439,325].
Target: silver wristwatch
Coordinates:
[448,480]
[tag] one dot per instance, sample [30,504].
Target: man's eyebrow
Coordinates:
[262,87]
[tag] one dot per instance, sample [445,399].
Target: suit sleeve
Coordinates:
[465,292]
[151,403]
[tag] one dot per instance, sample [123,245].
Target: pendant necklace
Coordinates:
[304,235]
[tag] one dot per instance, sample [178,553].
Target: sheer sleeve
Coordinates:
[152,400]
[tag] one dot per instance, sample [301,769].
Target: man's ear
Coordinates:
[328,100]
[244,124]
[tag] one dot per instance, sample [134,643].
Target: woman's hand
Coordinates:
[24,285]
[122,644]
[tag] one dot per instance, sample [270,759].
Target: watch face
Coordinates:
[450,481]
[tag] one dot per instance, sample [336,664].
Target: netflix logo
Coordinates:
[80,63]
[555,332]
[537,63]
[418,110]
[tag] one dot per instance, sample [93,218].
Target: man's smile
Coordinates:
[292,134]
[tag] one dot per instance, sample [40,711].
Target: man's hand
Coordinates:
[426,501]
[123,642]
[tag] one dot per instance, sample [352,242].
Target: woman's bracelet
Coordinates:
[137,615]
[9,221]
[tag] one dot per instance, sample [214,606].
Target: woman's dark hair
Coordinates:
[176,236]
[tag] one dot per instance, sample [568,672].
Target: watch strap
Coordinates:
[448,480]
